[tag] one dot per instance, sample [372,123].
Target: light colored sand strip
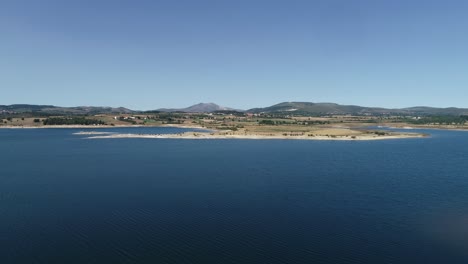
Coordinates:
[93,133]
[198,135]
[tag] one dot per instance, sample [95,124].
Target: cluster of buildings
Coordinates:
[6,112]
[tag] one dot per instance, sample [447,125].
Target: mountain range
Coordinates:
[296,108]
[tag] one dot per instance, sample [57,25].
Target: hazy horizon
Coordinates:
[161,54]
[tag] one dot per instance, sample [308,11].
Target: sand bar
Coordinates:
[201,135]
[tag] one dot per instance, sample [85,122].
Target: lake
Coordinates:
[68,199]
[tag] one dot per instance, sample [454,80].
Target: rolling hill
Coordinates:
[295,108]
[50,109]
[308,108]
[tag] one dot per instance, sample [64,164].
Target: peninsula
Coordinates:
[320,134]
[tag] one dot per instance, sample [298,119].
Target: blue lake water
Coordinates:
[67,199]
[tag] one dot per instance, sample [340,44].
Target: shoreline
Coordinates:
[391,126]
[192,135]
[67,126]
[100,126]
[210,129]
[338,134]
[428,128]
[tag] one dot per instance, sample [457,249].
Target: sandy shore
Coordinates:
[437,127]
[335,133]
[93,133]
[198,135]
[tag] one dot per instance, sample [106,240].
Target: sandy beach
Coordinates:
[254,132]
[217,135]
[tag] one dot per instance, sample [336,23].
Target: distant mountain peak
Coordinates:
[197,108]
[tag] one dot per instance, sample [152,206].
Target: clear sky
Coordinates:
[147,54]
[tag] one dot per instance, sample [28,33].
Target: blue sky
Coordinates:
[149,54]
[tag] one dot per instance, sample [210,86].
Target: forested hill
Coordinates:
[307,108]
[50,109]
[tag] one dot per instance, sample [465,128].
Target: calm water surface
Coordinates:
[67,199]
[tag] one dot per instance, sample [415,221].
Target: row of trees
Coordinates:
[71,121]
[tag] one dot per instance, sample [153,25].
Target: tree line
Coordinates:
[72,121]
